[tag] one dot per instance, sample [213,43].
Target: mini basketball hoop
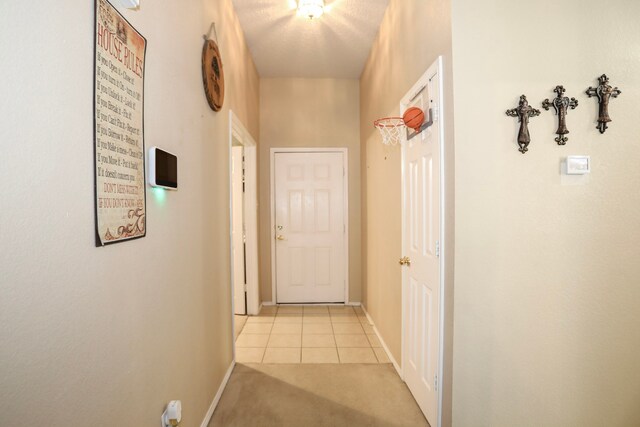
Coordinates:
[391,129]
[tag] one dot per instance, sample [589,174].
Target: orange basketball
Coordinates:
[413,118]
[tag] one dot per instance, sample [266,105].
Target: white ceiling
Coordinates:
[335,45]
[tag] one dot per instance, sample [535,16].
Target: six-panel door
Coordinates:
[310,227]
[421,279]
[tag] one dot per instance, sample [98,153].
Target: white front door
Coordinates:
[310,255]
[237,231]
[421,244]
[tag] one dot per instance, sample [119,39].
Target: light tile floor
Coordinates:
[309,334]
[239,323]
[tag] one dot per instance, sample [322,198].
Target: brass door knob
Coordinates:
[280,237]
[405,260]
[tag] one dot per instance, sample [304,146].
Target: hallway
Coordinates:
[172,171]
[269,395]
[313,365]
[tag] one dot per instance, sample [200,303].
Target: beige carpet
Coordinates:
[329,395]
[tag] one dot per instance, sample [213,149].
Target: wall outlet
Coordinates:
[173,414]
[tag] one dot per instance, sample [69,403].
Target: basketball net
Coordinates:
[391,129]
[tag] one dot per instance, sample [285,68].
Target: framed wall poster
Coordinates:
[120,189]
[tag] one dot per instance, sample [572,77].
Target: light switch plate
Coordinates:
[130,4]
[578,165]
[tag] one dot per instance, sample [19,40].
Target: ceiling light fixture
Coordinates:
[311,8]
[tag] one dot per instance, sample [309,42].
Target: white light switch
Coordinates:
[578,165]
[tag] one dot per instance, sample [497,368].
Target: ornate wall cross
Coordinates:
[604,92]
[523,112]
[561,104]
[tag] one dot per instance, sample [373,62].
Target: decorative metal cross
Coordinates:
[523,112]
[604,92]
[561,104]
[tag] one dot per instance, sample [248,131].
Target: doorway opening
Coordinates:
[243,223]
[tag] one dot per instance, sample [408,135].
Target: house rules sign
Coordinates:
[119,127]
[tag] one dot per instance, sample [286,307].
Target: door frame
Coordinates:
[435,69]
[238,131]
[238,257]
[272,185]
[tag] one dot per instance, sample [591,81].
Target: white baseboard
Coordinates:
[267,304]
[384,345]
[216,399]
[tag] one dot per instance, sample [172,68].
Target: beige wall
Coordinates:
[309,113]
[547,325]
[412,35]
[104,336]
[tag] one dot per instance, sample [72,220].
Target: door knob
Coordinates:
[280,237]
[405,261]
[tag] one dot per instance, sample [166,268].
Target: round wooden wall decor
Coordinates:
[212,75]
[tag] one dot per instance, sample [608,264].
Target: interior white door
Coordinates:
[421,244]
[310,227]
[237,225]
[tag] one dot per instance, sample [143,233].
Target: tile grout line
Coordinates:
[331,316]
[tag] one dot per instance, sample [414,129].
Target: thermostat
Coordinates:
[578,165]
[163,169]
